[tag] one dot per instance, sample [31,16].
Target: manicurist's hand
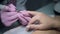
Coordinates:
[46,22]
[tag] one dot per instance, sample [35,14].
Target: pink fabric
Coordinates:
[9,15]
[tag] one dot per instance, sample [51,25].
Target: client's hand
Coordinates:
[10,7]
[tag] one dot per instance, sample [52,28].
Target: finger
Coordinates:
[32,27]
[22,20]
[25,13]
[12,6]
[12,17]
[32,12]
[37,27]
[32,20]
[27,18]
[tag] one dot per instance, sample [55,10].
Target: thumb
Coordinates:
[37,27]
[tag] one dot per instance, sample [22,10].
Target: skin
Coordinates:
[46,32]
[46,22]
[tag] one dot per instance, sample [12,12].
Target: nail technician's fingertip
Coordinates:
[27,28]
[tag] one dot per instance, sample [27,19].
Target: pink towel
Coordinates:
[9,15]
